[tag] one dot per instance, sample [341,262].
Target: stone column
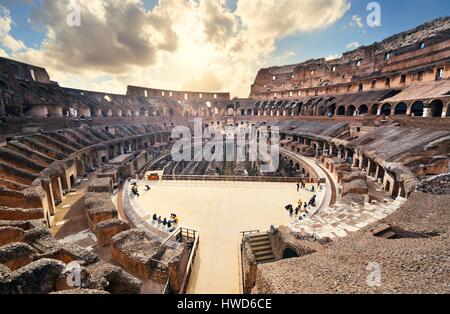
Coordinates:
[427,112]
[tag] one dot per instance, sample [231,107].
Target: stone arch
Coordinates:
[436,106]
[386,109]
[340,111]
[400,109]
[289,252]
[321,110]
[351,110]
[332,109]
[374,109]
[300,108]
[363,109]
[417,109]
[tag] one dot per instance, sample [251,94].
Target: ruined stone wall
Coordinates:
[396,62]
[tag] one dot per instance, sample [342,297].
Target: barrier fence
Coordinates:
[240,179]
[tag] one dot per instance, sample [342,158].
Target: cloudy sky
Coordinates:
[200,45]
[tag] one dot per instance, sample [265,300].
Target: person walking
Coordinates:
[298,187]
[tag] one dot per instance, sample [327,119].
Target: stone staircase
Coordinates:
[339,220]
[261,247]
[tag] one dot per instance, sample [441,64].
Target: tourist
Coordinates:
[298,187]
[165,222]
[288,207]
[147,188]
[300,202]
[169,224]
[159,220]
[135,191]
[312,202]
[297,210]
[155,218]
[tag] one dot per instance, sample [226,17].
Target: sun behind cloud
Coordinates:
[175,45]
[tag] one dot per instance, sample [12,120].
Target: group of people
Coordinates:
[166,222]
[135,189]
[302,210]
[302,185]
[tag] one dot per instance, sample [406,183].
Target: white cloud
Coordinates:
[6,40]
[192,44]
[357,22]
[333,57]
[353,45]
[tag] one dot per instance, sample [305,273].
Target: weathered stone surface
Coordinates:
[68,253]
[353,198]
[134,253]
[16,255]
[105,230]
[36,278]
[81,291]
[436,185]
[409,264]
[113,279]
[99,207]
[357,186]
[19,214]
[101,185]
[10,235]
[351,176]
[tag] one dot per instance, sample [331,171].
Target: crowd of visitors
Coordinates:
[303,208]
[166,222]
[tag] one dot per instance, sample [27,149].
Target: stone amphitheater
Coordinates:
[370,131]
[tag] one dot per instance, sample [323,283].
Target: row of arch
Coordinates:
[436,108]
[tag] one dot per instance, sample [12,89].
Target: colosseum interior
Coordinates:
[370,131]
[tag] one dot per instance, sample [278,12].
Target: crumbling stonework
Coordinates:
[16,255]
[99,207]
[357,186]
[10,235]
[101,185]
[106,229]
[133,252]
[415,261]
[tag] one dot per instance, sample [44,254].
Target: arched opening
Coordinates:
[72,182]
[386,110]
[351,110]
[400,109]
[321,111]
[300,108]
[332,109]
[436,108]
[249,112]
[340,111]
[289,253]
[363,109]
[374,110]
[417,109]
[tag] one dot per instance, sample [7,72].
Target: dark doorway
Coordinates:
[289,253]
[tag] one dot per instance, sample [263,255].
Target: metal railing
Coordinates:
[178,236]
[250,232]
[190,264]
[238,178]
